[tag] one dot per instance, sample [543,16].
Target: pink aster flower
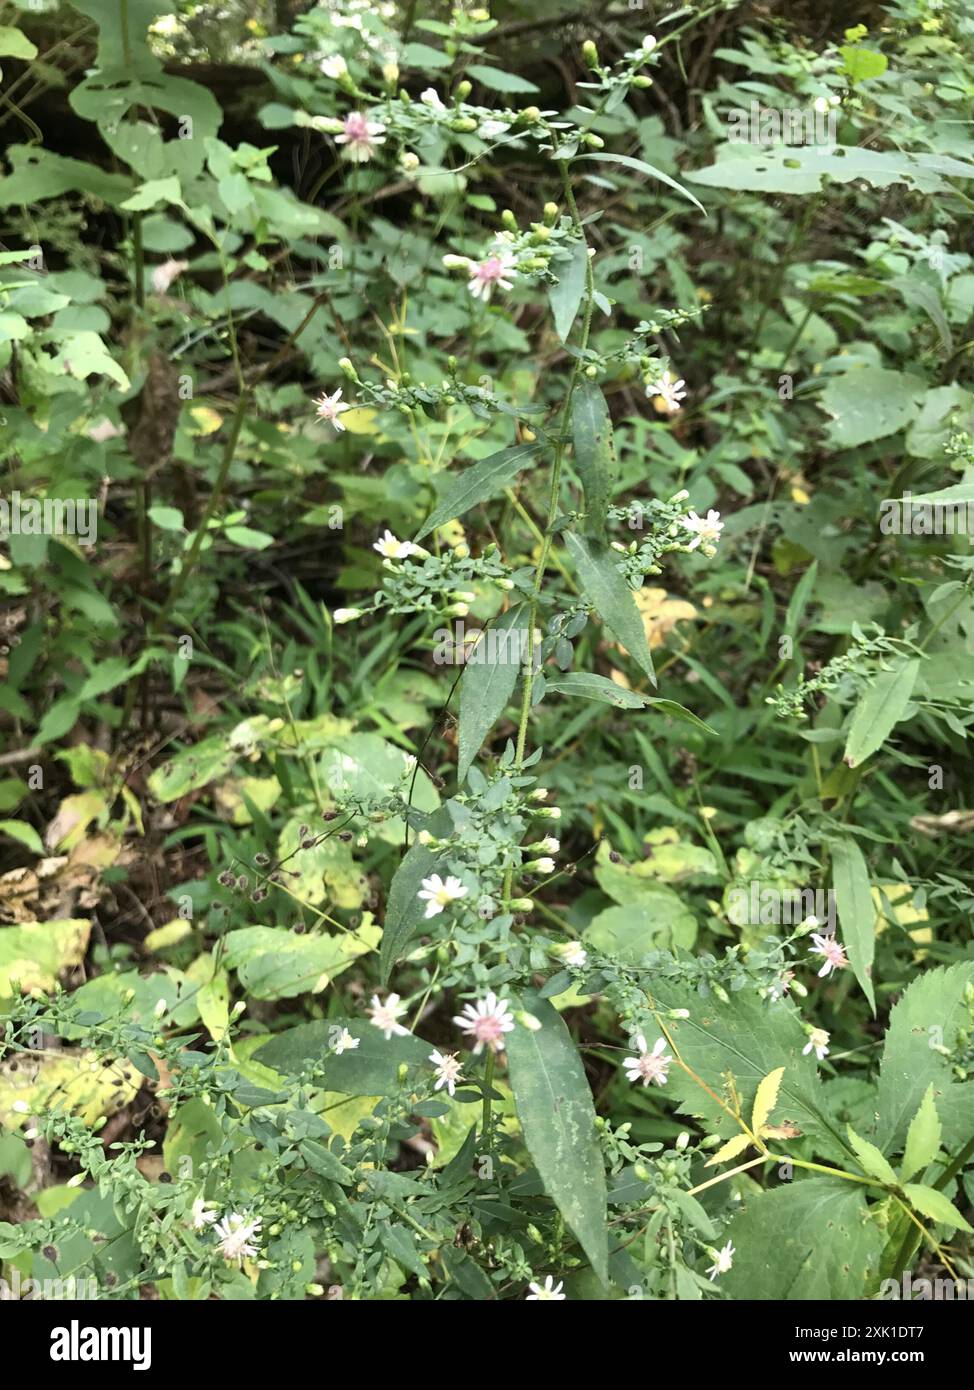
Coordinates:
[648,1066]
[496,272]
[330,408]
[487,1021]
[360,136]
[835,956]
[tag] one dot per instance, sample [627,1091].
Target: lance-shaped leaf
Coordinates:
[871,1159]
[488,681]
[478,483]
[404,910]
[880,709]
[641,167]
[554,1106]
[594,452]
[765,1099]
[935,1205]
[857,911]
[566,296]
[606,587]
[922,1138]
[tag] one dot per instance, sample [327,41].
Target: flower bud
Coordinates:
[408,161]
[390,74]
[346,615]
[520,904]
[682,1140]
[590,53]
[458,610]
[462,551]
[594,142]
[642,82]
[462,91]
[530,115]
[509,220]
[550,214]
[346,365]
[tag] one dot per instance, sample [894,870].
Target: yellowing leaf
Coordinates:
[77,1083]
[207,421]
[766,1098]
[168,934]
[33,955]
[360,420]
[660,614]
[731,1149]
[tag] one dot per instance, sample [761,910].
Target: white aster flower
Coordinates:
[574,954]
[392,549]
[431,98]
[495,271]
[648,1066]
[437,894]
[334,66]
[386,1016]
[360,136]
[666,393]
[706,530]
[548,1292]
[163,275]
[487,1021]
[203,1213]
[345,1043]
[835,956]
[331,407]
[818,1040]
[723,1259]
[448,1070]
[236,1233]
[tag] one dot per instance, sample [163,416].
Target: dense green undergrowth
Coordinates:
[489,650]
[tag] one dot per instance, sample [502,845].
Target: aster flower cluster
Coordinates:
[517,254]
[438,585]
[663,527]
[236,1232]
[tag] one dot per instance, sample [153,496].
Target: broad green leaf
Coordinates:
[499,81]
[873,1164]
[488,681]
[478,483]
[856,909]
[371,1069]
[274,963]
[14,44]
[34,953]
[749,1038]
[928,1015]
[880,708]
[24,832]
[641,167]
[862,63]
[922,1138]
[871,403]
[605,586]
[799,169]
[808,1239]
[557,1115]
[594,452]
[656,919]
[566,296]
[929,1202]
[37,175]
[765,1099]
